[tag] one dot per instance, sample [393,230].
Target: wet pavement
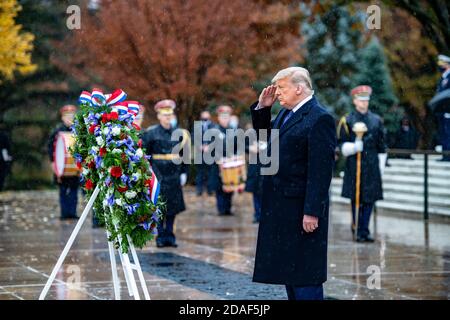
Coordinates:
[214,259]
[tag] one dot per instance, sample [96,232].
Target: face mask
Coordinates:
[173,122]
[233,124]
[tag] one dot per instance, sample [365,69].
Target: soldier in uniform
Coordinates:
[444,117]
[5,157]
[371,146]
[223,198]
[158,143]
[68,186]
[203,173]
[254,183]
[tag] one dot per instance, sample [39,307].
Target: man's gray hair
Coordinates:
[298,76]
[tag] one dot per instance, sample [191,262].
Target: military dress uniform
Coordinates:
[254,183]
[68,186]
[223,199]
[374,144]
[203,172]
[158,144]
[444,117]
[5,158]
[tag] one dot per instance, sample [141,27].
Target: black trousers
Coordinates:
[223,201]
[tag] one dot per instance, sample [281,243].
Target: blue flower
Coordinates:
[145,225]
[131,208]
[92,118]
[111,200]
[108,180]
[98,162]
[78,157]
[124,179]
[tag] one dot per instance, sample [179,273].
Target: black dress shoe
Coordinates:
[160,242]
[365,239]
[171,241]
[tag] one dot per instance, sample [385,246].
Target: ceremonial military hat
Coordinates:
[224,110]
[165,106]
[362,92]
[69,108]
[443,59]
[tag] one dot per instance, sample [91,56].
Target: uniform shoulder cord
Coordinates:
[342,122]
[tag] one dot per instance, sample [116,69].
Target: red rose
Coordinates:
[140,143]
[122,189]
[105,118]
[91,165]
[148,182]
[102,151]
[116,172]
[113,115]
[89,184]
[79,165]
[92,128]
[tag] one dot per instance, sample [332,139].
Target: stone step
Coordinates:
[396,170]
[404,198]
[416,190]
[419,164]
[416,180]
[389,205]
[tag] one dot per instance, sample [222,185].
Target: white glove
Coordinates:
[6,156]
[382,157]
[183,179]
[350,148]
[359,146]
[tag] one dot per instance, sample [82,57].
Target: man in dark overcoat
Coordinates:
[293,232]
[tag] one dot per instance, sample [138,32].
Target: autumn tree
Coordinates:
[15,45]
[432,15]
[196,52]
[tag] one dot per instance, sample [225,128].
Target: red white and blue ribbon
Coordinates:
[154,188]
[133,107]
[115,97]
[115,100]
[121,108]
[97,97]
[85,97]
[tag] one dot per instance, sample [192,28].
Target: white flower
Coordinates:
[115,131]
[130,194]
[115,150]
[105,203]
[85,172]
[119,202]
[136,176]
[106,131]
[95,149]
[100,141]
[139,153]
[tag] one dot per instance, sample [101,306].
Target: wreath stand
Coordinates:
[127,265]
